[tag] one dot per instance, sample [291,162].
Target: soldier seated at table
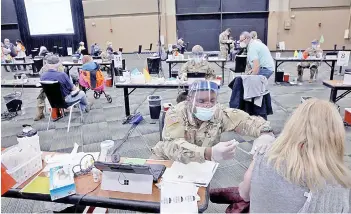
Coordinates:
[193,128]
[197,64]
[313,51]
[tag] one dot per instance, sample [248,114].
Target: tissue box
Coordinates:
[61,182]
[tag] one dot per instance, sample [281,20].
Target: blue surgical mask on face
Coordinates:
[205,114]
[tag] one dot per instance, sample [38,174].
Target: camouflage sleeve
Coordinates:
[210,74]
[223,39]
[174,146]
[183,70]
[244,124]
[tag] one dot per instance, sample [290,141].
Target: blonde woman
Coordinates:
[304,170]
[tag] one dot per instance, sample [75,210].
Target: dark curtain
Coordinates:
[49,41]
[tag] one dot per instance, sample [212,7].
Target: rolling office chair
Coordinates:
[56,100]
[150,49]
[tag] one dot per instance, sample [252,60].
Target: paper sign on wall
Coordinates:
[343,58]
[118,60]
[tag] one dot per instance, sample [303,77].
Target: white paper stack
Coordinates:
[178,198]
[199,174]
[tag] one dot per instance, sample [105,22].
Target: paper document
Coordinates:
[38,185]
[199,174]
[178,198]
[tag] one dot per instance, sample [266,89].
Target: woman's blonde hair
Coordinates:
[310,149]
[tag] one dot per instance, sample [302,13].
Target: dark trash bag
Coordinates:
[13,101]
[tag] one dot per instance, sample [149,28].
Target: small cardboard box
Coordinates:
[61,182]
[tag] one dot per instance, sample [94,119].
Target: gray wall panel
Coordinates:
[198,30]
[8,12]
[244,5]
[197,6]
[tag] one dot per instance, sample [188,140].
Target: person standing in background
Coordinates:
[21,52]
[180,46]
[223,43]
[95,49]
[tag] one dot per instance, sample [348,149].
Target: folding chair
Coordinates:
[56,100]
[150,49]
[139,51]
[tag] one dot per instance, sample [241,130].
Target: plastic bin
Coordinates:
[154,106]
[26,170]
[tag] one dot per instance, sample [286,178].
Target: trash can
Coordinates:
[154,106]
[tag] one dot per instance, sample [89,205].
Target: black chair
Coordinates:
[38,64]
[139,51]
[153,65]
[60,51]
[56,100]
[150,49]
[55,49]
[120,50]
[240,63]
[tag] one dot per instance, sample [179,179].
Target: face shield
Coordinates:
[202,99]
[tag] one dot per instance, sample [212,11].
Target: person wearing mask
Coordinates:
[109,50]
[180,46]
[21,52]
[193,128]
[69,91]
[223,43]
[304,170]
[313,51]
[95,50]
[197,64]
[11,50]
[42,96]
[43,51]
[259,57]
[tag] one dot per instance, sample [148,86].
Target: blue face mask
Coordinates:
[205,114]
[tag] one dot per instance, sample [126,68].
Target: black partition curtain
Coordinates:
[50,41]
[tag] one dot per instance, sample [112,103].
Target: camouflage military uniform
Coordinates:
[223,44]
[192,67]
[312,66]
[185,140]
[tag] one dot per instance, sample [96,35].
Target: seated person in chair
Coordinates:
[197,65]
[303,171]
[69,91]
[313,51]
[193,128]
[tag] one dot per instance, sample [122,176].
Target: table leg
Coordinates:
[126,101]
[223,72]
[170,69]
[275,71]
[332,70]
[333,94]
